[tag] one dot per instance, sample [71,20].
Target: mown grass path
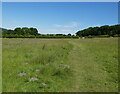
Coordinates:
[87,59]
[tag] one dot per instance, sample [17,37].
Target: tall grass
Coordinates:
[43,55]
[60,65]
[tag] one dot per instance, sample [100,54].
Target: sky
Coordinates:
[58,17]
[60,0]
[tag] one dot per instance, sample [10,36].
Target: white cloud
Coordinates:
[57,31]
[71,25]
[66,30]
[57,25]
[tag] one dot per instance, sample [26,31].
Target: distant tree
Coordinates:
[103,30]
[69,34]
[33,31]
[111,33]
[90,32]
[18,31]
[59,34]
[26,30]
[10,32]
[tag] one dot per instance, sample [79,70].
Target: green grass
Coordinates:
[66,65]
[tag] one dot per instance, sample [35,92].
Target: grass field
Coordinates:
[60,65]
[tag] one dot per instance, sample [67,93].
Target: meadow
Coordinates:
[60,65]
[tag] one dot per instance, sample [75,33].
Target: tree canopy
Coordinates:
[22,31]
[103,30]
[26,32]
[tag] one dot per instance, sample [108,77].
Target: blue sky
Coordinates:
[60,0]
[58,17]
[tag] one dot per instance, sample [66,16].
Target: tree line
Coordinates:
[26,32]
[113,30]
[90,32]
[21,31]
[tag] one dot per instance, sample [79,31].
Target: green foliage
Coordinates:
[20,33]
[90,32]
[90,36]
[31,33]
[103,30]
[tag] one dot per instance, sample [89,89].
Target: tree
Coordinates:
[103,30]
[18,31]
[111,33]
[33,31]
[69,34]
[25,30]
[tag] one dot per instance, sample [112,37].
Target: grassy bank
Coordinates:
[38,65]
